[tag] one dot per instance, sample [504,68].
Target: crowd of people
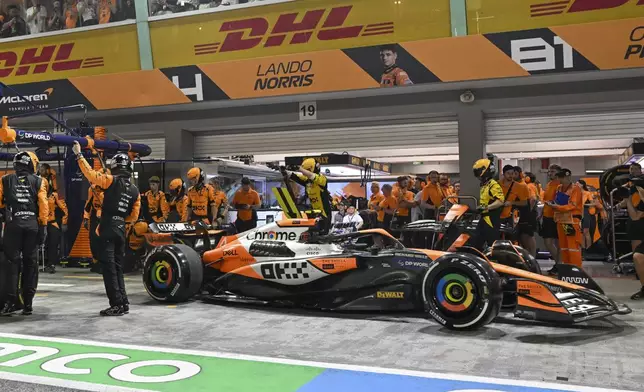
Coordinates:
[27,17]
[165,7]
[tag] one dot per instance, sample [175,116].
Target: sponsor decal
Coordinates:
[557,7]
[636,49]
[287,270]
[472,267]
[313,251]
[175,227]
[437,317]
[414,264]
[390,294]
[231,252]
[328,266]
[574,279]
[284,75]
[38,60]
[577,305]
[301,27]
[24,135]
[273,235]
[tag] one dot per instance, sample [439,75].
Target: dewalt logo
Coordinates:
[40,59]
[573,6]
[302,28]
[390,294]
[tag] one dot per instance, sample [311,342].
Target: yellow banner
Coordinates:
[82,53]
[491,16]
[294,27]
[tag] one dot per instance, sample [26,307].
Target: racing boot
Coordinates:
[27,311]
[116,310]
[639,295]
[8,309]
[50,269]
[126,308]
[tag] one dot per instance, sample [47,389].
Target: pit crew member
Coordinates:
[246,200]
[54,231]
[568,207]
[121,205]
[157,205]
[23,195]
[491,203]
[202,203]
[178,201]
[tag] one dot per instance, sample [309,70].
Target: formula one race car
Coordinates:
[289,263]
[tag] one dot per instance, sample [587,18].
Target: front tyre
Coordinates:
[462,291]
[172,273]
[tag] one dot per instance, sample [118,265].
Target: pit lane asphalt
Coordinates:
[600,353]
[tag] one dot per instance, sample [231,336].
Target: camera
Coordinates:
[467,97]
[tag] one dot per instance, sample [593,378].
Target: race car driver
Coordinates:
[121,205]
[491,203]
[568,206]
[23,195]
[157,205]
[54,231]
[178,201]
[316,189]
[202,202]
[393,75]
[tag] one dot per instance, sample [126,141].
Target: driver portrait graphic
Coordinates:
[392,75]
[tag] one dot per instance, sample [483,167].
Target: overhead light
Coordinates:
[594,171]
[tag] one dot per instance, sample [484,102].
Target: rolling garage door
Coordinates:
[329,140]
[156,144]
[577,127]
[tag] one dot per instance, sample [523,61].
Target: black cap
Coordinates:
[245,181]
[564,173]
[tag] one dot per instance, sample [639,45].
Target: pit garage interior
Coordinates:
[584,120]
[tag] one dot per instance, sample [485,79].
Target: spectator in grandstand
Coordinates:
[127,10]
[56,20]
[87,10]
[36,17]
[71,14]
[14,25]
[106,11]
[160,7]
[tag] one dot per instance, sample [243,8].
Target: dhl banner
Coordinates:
[493,16]
[93,52]
[586,47]
[294,27]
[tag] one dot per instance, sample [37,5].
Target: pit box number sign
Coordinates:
[308,111]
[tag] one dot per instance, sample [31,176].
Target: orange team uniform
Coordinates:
[403,196]
[94,202]
[55,201]
[104,181]
[394,76]
[389,203]
[433,194]
[250,198]
[180,204]
[157,206]
[549,195]
[519,192]
[568,218]
[375,200]
[199,201]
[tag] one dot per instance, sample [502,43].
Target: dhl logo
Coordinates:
[248,33]
[570,6]
[38,60]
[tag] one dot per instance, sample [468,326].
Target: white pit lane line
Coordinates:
[214,354]
[54,285]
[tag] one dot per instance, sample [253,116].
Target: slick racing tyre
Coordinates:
[173,273]
[462,291]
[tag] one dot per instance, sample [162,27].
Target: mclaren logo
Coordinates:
[390,294]
[31,98]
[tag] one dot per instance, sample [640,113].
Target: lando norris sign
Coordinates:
[94,366]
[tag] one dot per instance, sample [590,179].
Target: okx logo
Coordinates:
[40,59]
[557,7]
[249,33]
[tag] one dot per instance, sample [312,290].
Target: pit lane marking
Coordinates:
[54,285]
[294,362]
[57,382]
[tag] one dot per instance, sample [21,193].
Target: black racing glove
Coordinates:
[42,235]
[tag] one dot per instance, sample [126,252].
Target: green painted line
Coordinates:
[458,16]
[130,368]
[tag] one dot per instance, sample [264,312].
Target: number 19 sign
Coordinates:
[308,111]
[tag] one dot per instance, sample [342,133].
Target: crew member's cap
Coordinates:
[154,179]
[245,181]
[564,173]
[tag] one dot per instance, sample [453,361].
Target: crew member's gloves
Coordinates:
[76,148]
[481,208]
[86,224]
[42,235]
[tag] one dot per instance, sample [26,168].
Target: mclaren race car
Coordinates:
[290,263]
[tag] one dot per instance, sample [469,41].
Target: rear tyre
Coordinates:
[173,273]
[462,291]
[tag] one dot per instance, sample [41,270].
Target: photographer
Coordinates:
[15,26]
